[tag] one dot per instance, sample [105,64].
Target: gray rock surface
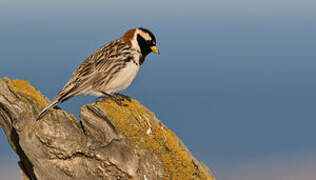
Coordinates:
[109,141]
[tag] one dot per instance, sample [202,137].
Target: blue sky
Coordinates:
[235,79]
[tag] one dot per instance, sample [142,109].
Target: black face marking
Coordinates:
[141,60]
[144,45]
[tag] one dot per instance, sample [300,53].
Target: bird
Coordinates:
[109,69]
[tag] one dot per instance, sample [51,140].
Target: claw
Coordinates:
[114,98]
[122,96]
[120,104]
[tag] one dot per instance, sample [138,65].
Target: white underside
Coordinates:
[121,81]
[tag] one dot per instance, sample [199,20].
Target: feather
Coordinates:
[46,109]
[110,69]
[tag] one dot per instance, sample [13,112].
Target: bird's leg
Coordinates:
[57,107]
[122,96]
[118,101]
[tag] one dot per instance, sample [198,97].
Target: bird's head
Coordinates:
[141,39]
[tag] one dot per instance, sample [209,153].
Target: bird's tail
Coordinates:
[45,110]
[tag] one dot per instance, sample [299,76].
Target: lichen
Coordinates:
[24,87]
[73,118]
[133,121]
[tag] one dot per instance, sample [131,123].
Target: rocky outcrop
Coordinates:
[109,141]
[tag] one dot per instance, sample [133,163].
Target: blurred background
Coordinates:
[235,79]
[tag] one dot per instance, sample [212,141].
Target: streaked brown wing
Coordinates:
[95,70]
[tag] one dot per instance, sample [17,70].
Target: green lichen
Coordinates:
[133,120]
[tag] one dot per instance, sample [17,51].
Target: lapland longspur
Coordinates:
[110,69]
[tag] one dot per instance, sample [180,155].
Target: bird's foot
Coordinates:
[114,98]
[57,107]
[118,101]
[122,96]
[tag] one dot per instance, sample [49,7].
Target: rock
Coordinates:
[109,141]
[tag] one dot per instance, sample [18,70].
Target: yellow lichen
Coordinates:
[73,118]
[133,121]
[24,87]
